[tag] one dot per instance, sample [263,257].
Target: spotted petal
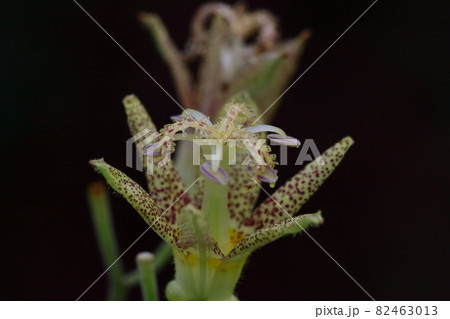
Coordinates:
[296,192]
[195,235]
[242,97]
[168,191]
[138,198]
[273,232]
[137,117]
[164,184]
[242,196]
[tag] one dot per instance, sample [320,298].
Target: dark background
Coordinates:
[385,83]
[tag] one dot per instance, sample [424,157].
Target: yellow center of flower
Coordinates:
[235,237]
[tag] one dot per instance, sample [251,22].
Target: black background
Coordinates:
[385,83]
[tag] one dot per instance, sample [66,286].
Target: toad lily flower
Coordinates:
[214,231]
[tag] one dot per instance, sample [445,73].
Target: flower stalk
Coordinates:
[119,282]
[163,255]
[106,238]
[147,276]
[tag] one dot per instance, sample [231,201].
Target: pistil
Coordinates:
[215,206]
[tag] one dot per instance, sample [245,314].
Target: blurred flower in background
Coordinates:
[236,50]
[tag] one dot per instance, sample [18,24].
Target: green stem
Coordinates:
[147,276]
[163,254]
[106,239]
